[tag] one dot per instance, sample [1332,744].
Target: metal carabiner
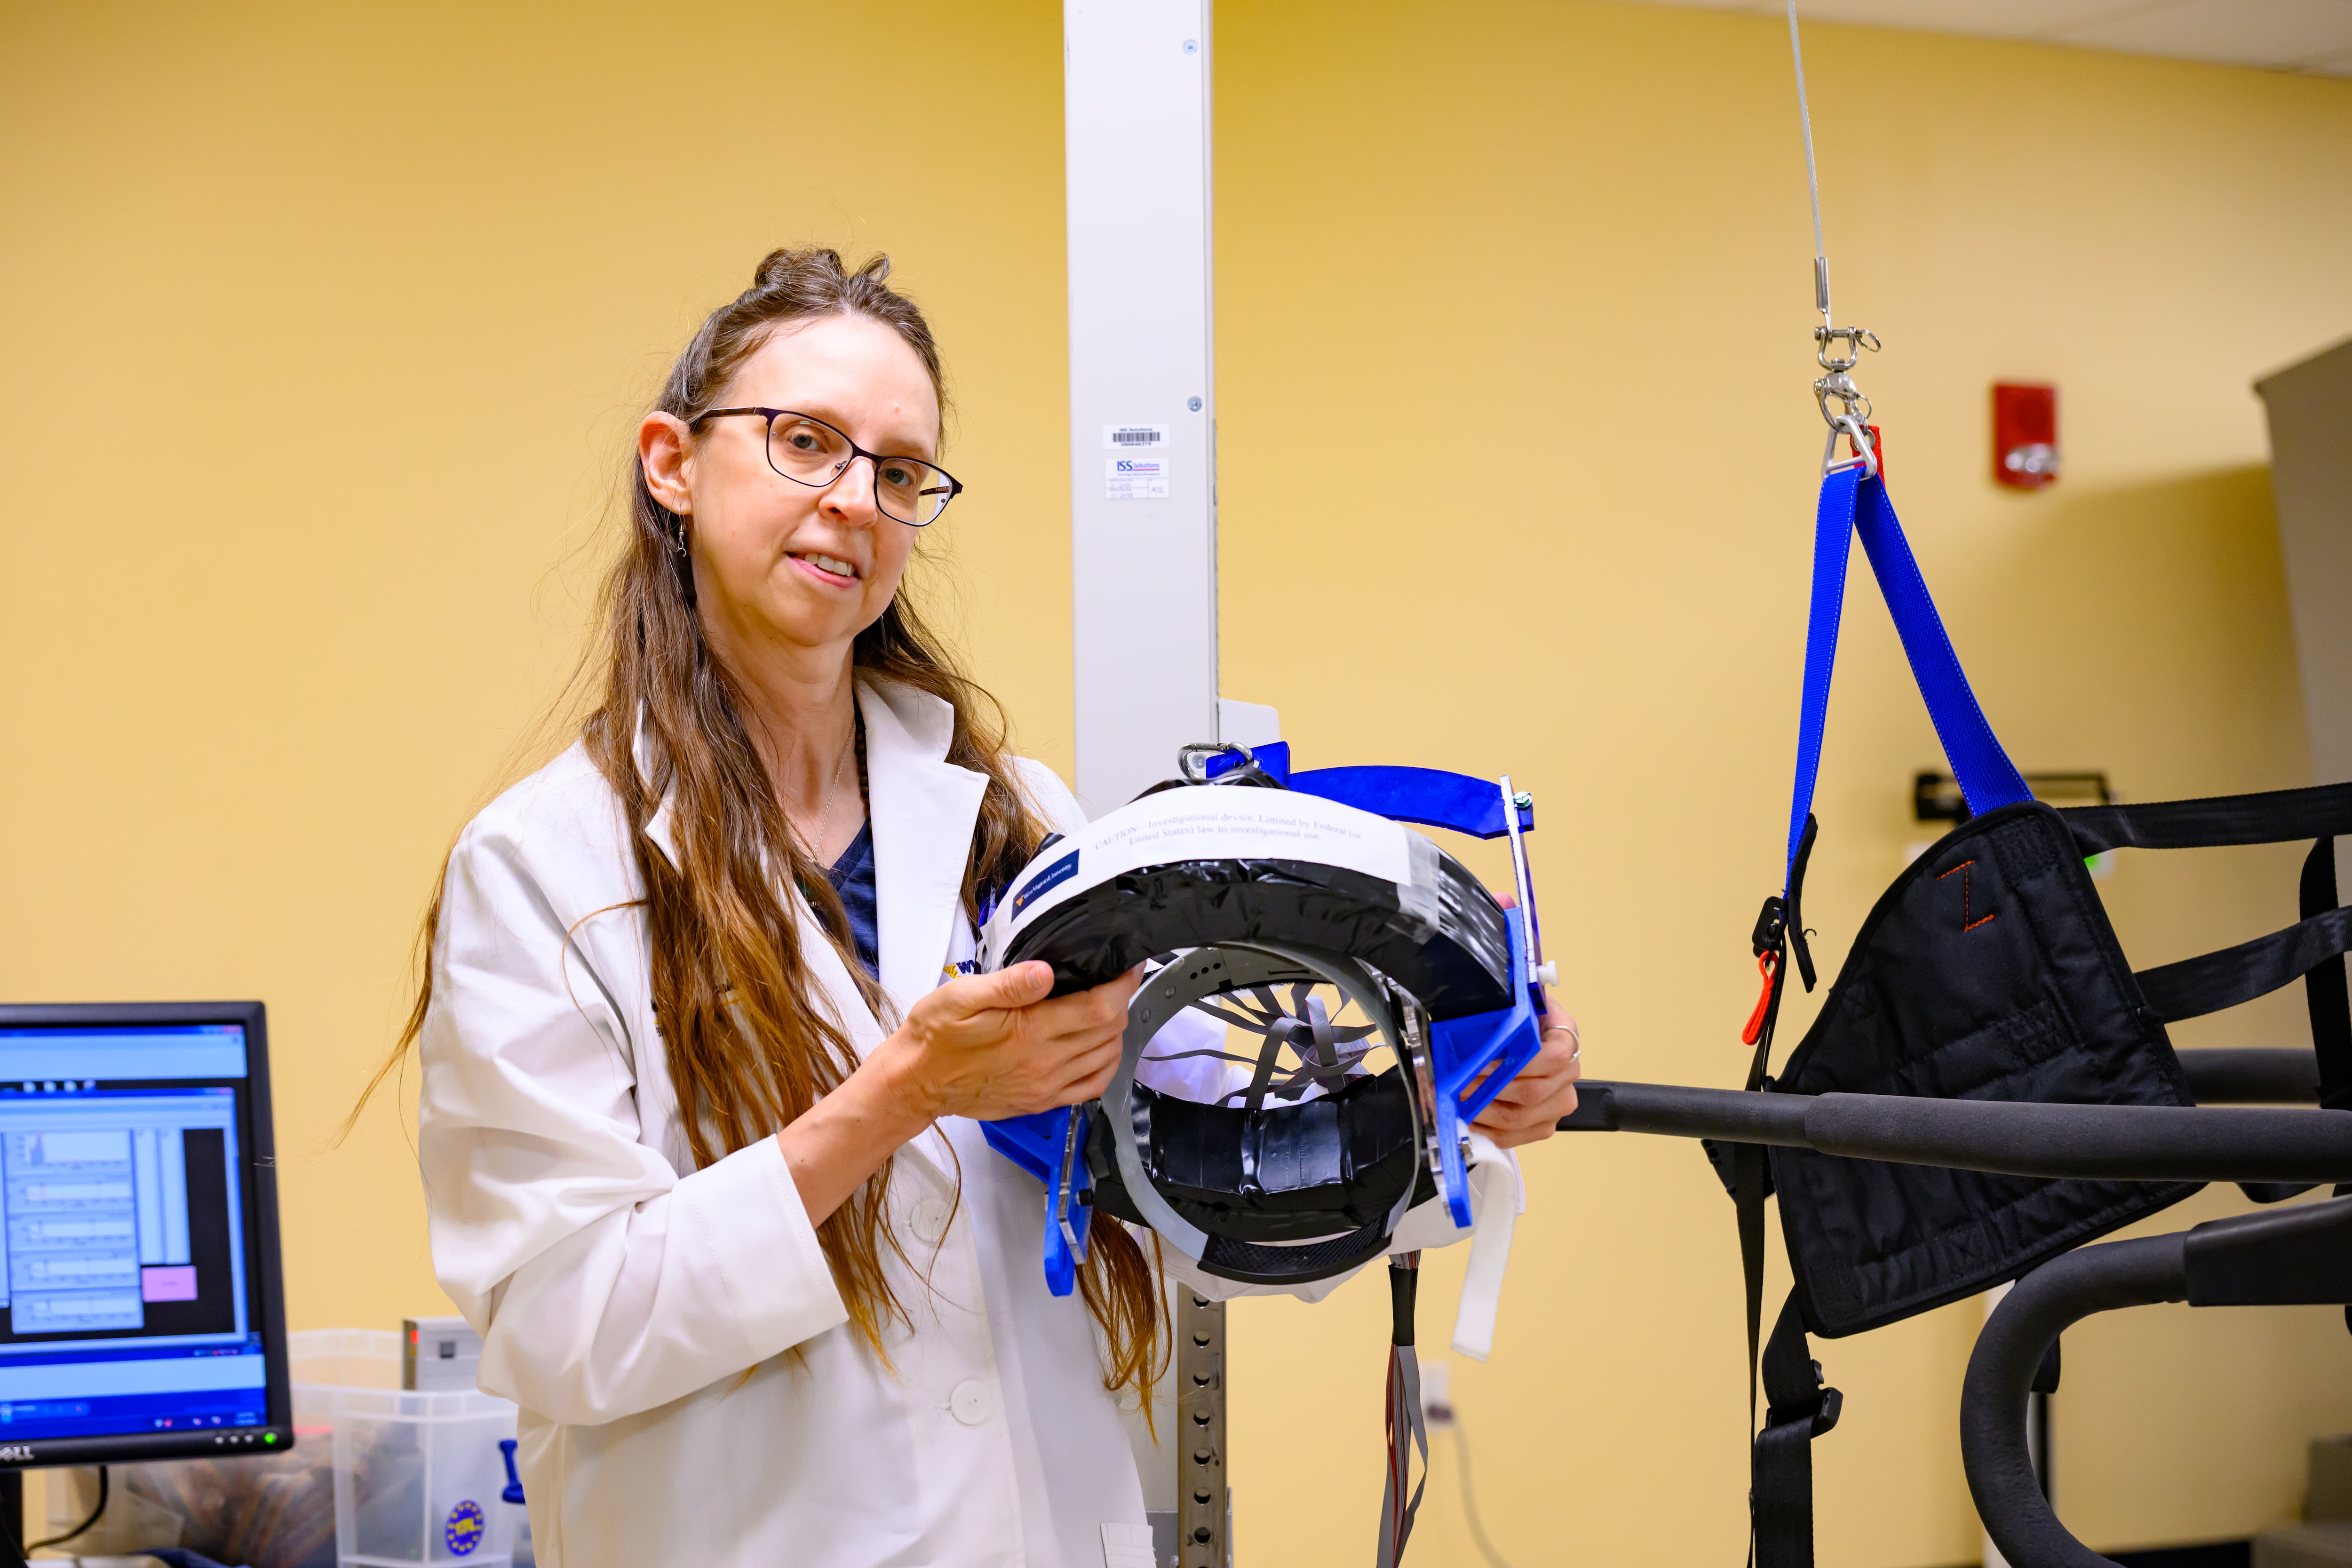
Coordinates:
[1852,401]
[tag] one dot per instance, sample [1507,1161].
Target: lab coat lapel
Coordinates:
[889,749]
[643,751]
[923,809]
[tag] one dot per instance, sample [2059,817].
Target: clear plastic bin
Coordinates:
[370,1472]
[418,1475]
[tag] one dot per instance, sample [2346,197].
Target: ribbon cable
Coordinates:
[1854,502]
[1407,1429]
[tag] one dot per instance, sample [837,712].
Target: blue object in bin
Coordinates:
[513,1489]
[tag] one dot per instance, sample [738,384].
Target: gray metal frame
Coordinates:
[1204,972]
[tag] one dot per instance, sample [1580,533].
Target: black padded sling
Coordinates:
[1987,971]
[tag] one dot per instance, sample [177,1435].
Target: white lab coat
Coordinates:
[639,1309]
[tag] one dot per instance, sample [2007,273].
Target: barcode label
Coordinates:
[1130,438]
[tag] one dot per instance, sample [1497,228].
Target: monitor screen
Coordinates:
[139,1290]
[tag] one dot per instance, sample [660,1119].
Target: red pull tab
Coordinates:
[1768,965]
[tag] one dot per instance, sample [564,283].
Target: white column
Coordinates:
[1143,520]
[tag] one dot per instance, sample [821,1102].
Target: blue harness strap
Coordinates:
[1854,502]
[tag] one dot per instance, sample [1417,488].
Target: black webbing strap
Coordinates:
[2213,981]
[1748,1173]
[2270,818]
[1801,1409]
[2325,991]
[1748,1201]
[1776,928]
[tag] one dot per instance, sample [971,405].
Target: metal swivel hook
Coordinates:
[1839,350]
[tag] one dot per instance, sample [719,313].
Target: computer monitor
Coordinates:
[140,1308]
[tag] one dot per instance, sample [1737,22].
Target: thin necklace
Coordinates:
[832,788]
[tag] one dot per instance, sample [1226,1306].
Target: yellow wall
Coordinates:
[1514,314]
[330,327]
[326,326]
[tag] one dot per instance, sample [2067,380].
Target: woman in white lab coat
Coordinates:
[699,1080]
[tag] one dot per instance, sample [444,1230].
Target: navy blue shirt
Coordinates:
[851,877]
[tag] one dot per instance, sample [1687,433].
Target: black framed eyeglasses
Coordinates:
[808,451]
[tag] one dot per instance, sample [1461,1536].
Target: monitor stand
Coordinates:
[12,1513]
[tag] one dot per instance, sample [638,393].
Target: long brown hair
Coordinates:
[751,1042]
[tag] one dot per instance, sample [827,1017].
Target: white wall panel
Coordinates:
[2310,407]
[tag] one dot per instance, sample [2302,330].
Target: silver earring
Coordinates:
[681,561]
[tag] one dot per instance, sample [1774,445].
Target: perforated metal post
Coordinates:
[1203,1511]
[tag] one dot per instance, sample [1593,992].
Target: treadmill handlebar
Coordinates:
[2011,1138]
[2008,1352]
[2292,1255]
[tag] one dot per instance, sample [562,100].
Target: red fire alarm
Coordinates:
[2025,434]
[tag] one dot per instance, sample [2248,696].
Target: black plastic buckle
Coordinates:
[1771,922]
[1822,1409]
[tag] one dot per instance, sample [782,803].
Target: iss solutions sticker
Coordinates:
[463,1533]
[1135,479]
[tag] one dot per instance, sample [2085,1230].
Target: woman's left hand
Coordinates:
[1529,1107]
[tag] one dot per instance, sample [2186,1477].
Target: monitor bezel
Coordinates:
[268,1306]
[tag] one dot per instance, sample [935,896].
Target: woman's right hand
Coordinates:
[991,1045]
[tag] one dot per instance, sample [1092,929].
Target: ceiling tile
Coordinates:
[1989,18]
[2231,32]
[2311,35]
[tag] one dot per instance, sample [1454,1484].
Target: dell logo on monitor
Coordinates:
[11,1453]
